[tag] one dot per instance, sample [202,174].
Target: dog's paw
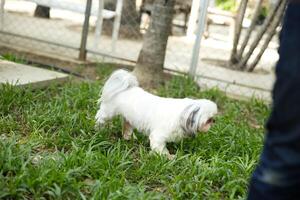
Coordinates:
[96,126]
[127,137]
[171,156]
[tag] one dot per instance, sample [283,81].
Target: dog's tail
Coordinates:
[118,82]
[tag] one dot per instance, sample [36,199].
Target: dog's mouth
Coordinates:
[207,125]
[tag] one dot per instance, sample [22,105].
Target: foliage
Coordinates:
[229,5]
[13,58]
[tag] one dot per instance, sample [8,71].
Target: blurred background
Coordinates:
[115,31]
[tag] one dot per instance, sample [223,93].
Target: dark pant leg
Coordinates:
[278,174]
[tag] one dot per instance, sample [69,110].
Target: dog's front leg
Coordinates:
[158,145]
[126,130]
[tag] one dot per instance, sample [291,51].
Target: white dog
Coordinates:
[162,119]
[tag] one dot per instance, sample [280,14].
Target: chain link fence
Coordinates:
[116,35]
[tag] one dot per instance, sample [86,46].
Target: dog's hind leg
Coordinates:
[101,116]
[127,130]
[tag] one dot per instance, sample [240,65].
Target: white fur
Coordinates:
[162,119]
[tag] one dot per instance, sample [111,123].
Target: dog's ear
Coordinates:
[190,118]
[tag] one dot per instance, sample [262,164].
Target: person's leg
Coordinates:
[277,175]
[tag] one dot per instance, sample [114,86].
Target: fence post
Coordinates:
[85,30]
[202,11]
[2,14]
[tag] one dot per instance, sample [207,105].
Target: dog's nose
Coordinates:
[211,121]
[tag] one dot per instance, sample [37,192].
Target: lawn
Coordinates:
[50,150]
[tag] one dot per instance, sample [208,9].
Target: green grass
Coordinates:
[50,150]
[13,58]
[229,5]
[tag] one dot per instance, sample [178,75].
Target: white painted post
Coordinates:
[2,14]
[190,33]
[99,23]
[202,11]
[117,23]
[212,3]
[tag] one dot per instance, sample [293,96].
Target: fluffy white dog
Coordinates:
[162,119]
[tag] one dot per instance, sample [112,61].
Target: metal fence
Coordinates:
[76,29]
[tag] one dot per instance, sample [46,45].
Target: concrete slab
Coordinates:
[234,90]
[22,75]
[257,81]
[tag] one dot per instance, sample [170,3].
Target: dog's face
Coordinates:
[198,116]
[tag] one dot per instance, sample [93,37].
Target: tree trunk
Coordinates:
[270,33]
[237,31]
[243,63]
[130,16]
[251,28]
[42,12]
[149,67]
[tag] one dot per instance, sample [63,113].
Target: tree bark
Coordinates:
[257,10]
[149,67]
[237,32]
[243,63]
[270,33]
[42,12]
[130,16]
